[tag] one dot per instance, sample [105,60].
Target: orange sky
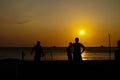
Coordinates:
[57,22]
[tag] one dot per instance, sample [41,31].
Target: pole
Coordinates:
[109,47]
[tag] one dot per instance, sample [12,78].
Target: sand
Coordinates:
[23,70]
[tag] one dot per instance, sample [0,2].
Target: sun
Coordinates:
[81,32]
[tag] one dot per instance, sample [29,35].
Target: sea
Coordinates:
[57,53]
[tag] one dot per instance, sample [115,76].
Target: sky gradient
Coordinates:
[58,22]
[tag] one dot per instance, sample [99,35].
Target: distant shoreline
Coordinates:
[64,48]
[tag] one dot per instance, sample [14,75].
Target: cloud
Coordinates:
[7,21]
[23,22]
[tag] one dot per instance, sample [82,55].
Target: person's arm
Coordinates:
[83,48]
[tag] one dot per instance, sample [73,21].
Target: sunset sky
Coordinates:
[58,22]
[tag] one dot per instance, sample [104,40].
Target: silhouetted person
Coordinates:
[69,52]
[117,52]
[38,52]
[78,49]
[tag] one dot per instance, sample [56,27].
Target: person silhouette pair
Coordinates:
[77,49]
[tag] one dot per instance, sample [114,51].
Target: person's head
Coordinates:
[118,43]
[76,39]
[38,42]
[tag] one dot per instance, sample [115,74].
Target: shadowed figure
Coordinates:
[23,55]
[78,49]
[117,52]
[38,52]
[69,52]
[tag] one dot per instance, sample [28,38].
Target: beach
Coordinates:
[55,32]
[22,70]
[96,60]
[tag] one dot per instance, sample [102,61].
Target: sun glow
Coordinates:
[82,32]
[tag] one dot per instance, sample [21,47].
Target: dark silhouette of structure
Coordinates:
[117,52]
[78,49]
[69,52]
[38,52]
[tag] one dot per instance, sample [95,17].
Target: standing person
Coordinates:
[23,55]
[69,52]
[117,52]
[78,49]
[38,52]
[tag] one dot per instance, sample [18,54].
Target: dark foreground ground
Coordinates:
[14,69]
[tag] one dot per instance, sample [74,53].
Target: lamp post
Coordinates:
[109,47]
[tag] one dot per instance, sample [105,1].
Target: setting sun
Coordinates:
[82,32]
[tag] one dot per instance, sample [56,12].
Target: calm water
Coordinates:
[92,53]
